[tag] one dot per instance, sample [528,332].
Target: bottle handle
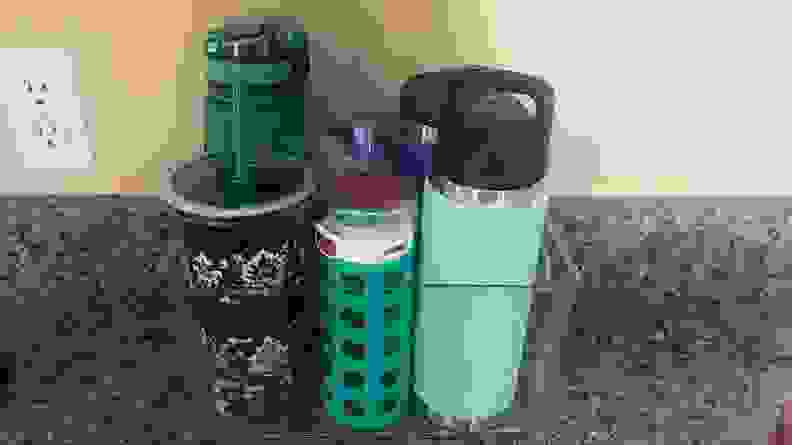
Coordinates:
[481,81]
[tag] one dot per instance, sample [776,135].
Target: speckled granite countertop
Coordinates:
[668,329]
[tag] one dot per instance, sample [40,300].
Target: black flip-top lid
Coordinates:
[487,138]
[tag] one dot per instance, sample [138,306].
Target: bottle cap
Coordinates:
[487,137]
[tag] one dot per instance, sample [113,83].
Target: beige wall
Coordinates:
[672,97]
[142,62]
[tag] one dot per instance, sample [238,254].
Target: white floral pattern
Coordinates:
[262,270]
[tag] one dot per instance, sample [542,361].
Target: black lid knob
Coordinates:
[487,137]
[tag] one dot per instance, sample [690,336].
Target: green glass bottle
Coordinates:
[368,286]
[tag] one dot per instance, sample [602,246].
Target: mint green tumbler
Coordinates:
[475,297]
[481,228]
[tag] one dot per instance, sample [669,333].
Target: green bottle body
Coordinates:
[255,112]
[368,313]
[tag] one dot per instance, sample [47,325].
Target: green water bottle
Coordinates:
[255,107]
[367,252]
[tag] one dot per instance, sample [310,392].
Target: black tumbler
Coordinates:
[252,286]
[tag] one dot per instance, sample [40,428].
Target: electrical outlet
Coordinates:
[48,121]
[54,136]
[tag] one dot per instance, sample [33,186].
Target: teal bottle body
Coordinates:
[477,267]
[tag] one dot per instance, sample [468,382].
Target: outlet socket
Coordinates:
[48,124]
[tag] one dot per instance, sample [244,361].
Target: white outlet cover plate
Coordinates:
[58,68]
[71,139]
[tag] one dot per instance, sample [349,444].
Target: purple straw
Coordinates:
[363,146]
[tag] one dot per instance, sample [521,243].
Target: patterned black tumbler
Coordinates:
[250,276]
